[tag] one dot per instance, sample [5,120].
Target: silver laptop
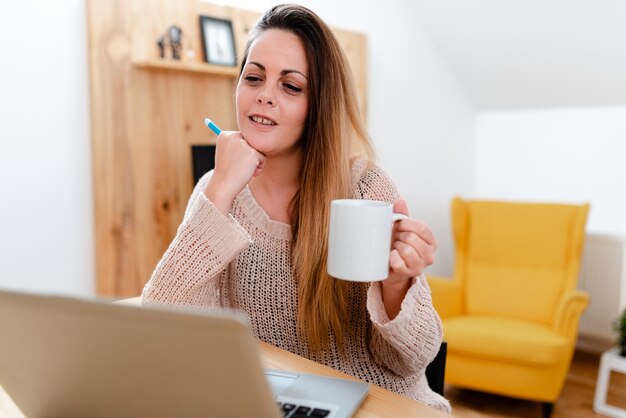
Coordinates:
[67,357]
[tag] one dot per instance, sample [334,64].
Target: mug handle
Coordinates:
[398,217]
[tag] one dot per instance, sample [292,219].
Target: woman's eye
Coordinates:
[292,88]
[252,79]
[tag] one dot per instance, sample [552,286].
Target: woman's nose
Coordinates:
[265,96]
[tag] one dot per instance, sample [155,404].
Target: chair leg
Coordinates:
[547,409]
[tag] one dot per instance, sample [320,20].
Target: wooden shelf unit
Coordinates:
[146,112]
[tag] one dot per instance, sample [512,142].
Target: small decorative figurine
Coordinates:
[161,45]
[175,35]
[174,38]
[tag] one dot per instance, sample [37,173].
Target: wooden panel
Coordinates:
[109,59]
[355,47]
[145,115]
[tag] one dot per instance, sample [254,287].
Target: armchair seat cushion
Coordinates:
[509,340]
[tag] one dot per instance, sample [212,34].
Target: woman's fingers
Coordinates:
[409,261]
[396,263]
[421,229]
[425,250]
[235,159]
[413,248]
[413,245]
[236,162]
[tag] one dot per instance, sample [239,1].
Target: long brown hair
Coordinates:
[333,135]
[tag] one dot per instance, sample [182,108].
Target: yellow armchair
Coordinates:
[510,313]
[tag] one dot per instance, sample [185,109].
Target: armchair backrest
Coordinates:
[517,259]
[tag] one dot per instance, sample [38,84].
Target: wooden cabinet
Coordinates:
[146,112]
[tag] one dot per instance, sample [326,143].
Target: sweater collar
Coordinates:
[259,217]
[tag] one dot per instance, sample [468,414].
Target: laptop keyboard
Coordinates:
[291,410]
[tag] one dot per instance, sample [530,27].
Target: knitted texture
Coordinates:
[242,261]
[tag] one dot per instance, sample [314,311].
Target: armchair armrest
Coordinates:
[447,296]
[570,308]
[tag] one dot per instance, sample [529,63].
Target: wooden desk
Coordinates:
[379,402]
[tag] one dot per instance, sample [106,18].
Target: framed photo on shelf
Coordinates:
[218,41]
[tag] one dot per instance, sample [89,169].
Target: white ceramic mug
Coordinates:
[359,240]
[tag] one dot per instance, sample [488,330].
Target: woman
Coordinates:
[255,232]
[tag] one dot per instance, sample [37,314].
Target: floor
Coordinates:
[576,399]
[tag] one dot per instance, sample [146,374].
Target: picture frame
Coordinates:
[218,41]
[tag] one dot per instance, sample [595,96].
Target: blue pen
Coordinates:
[208,122]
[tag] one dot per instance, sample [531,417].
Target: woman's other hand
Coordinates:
[413,246]
[236,162]
[412,250]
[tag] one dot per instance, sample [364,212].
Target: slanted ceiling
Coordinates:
[532,53]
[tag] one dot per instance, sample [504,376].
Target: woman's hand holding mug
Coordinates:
[413,246]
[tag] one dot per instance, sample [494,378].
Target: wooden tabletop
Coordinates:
[379,402]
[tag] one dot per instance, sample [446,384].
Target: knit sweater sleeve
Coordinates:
[206,242]
[409,342]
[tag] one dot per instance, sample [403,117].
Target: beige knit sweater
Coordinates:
[243,262]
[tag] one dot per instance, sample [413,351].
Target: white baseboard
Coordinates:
[593,344]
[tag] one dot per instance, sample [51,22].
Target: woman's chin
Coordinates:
[257,144]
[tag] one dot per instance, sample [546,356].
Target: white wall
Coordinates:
[46,238]
[421,121]
[419,117]
[563,155]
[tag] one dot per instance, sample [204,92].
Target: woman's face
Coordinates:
[272,93]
